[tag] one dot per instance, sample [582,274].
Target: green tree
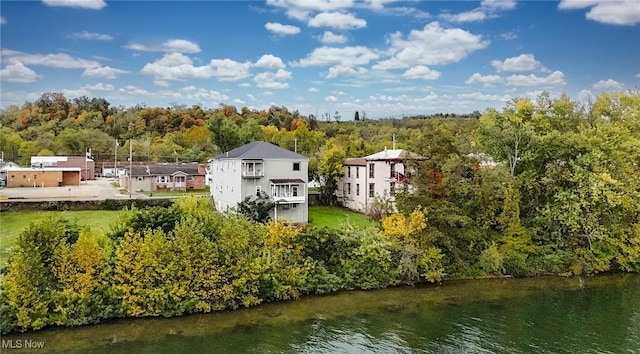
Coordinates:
[330,170]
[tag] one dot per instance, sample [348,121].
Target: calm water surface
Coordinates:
[538,315]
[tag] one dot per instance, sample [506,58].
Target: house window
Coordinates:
[393,170]
[357,172]
[348,188]
[371,170]
[392,188]
[258,190]
[189,178]
[357,187]
[294,191]
[349,171]
[296,166]
[35,176]
[372,190]
[162,179]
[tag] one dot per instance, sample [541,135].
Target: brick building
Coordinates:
[43,177]
[165,176]
[84,163]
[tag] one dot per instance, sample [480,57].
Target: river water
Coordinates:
[536,315]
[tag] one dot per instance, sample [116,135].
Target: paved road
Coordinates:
[98,189]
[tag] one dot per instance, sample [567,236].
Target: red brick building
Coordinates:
[85,164]
[165,176]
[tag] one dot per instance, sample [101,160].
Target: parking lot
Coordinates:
[98,189]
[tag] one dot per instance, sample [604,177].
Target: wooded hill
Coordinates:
[563,198]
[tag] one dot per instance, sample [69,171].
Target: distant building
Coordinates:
[378,175]
[42,177]
[164,176]
[84,163]
[260,168]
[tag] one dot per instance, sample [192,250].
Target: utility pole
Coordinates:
[295,145]
[130,167]
[115,163]
[394,142]
[86,167]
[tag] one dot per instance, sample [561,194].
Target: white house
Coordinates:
[260,168]
[375,176]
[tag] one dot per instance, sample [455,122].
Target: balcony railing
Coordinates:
[288,199]
[253,174]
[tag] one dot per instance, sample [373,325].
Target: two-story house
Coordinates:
[257,169]
[375,176]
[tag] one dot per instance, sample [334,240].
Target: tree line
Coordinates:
[544,186]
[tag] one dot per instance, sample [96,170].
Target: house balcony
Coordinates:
[288,199]
[252,174]
[252,169]
[288,191]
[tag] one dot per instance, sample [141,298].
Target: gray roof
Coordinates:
[164,169]
[260,150]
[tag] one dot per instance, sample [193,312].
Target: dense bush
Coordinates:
[183,259]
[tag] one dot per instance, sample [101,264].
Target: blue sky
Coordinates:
[384,57]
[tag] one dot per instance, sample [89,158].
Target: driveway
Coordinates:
[98,189]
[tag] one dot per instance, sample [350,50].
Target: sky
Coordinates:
[383,58]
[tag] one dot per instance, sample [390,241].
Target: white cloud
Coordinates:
[176,66]
[488,9]
[17,72]
[59,60]
[337,20]
[273,80]
[131,90]
[478,96]
[230,70]
[608,85]
[499,4]
[638,75]
[331,99]
[312,5]
[433,45]
[338,70]
[270,61]
[3,20]
[331,38]
[312,89]
[486,81]
[523,62]
[421,72]
[91,36]
[172,45]
[85,4]
[99,87]
[616,12]
[281,29]
[556,78]
[346,56]
[475,15]
[337,92]
[105,72]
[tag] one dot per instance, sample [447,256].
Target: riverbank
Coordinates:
[418,315]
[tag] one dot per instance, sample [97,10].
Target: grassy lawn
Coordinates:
[333,217]
[13,222]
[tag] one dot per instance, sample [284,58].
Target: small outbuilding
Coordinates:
[43,177]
